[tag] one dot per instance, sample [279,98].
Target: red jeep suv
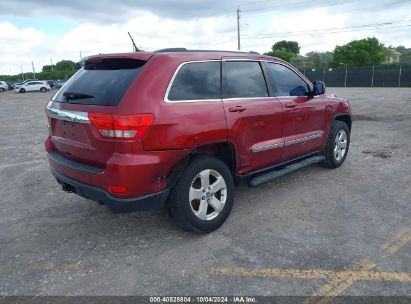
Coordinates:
[179,129]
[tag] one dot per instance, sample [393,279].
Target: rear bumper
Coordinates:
[153,201]
[140,172]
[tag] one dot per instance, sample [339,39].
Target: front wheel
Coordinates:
[203,197]
[337,145]
[43,90]
[22,91]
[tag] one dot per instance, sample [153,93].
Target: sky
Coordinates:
[45,31]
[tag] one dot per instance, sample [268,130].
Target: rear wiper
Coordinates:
[76,95]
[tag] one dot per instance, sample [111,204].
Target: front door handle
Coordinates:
[237,109]
[290,105]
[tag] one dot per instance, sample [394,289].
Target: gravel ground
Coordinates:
[55,243]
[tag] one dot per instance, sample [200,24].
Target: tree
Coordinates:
[401,49]
[391,55]
[288,46]
[65,65]
[285,50]
[404,54]
[284,55]
[405,57]
[364,52]
[48,68]
[318,59]
[299,62]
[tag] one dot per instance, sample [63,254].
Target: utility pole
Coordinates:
[51,62]
[238,28]
[34,72]
[21,71]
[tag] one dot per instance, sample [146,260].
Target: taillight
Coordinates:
[121,126]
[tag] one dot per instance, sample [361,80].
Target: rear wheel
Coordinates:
[337,145]
[2,90]
[43,90]
[204,195]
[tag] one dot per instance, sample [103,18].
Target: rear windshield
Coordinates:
[101,83]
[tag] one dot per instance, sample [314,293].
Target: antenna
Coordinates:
[135,48]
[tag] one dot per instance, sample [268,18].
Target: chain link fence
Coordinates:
[378,76]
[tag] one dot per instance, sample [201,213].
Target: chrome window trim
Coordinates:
[289,96]
[175,75]
[222,60]
[208,100]
[248,98]
[302,139]
[67,115]
[243,59]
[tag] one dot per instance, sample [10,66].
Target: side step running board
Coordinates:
[264,178]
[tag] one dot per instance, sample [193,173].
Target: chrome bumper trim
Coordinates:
[66,115]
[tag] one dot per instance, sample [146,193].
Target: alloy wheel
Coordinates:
[208,194]
[340,145]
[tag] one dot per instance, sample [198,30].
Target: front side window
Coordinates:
[243,79]
[196,81]
[285,81]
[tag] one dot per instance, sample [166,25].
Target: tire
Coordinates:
[2,90]
[22,91]
[43,90]
[191,206]
[338,143]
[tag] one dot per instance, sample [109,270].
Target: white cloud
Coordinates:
[150,33]
[17,46]
[21,45]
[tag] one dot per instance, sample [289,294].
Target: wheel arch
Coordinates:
[344,117]
[223,151]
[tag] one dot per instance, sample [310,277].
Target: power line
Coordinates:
[385,25]
[265,11]
[280,6]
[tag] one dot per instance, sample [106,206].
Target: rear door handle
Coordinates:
[237,109]
[290,105]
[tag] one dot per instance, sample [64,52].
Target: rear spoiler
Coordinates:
[145,56]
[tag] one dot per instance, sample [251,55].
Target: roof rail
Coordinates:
[186,50]
[171,50]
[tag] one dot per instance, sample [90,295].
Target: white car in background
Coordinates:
[3,86]
[31,86]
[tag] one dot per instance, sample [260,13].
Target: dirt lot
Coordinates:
[315,232]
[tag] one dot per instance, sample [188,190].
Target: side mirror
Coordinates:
[298,91]
[319,87]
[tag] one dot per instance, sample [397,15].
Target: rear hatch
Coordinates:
[97,88]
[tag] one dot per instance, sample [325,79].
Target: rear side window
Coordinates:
[286,82]
[242,79]
[196,81]
[101,83]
